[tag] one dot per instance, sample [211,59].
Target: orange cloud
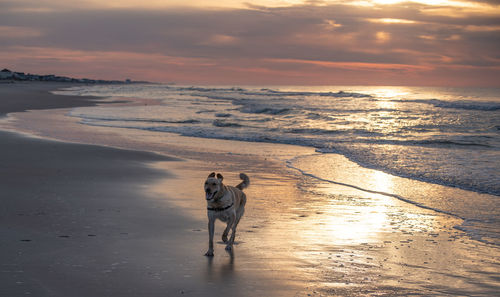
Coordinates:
[360,66]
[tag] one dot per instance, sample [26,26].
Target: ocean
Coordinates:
[444,136]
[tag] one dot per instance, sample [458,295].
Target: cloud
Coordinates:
[16,32]
[266,40]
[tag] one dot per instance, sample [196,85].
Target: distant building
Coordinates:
[19,75]
[6,74]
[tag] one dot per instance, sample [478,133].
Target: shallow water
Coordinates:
[446,136]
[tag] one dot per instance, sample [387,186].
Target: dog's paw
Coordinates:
[224,238]
[229,247]
[209,253]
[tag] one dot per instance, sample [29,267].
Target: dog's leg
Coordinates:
[235,224]
[237,219]
[232,223]
[239,214]
[226,232]
[211,229]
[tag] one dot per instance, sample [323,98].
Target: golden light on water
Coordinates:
[341,218]
[360,228]
[386,104]
[369,220]
[389,92]
[382,181]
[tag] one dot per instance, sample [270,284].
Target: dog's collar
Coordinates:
[220,208]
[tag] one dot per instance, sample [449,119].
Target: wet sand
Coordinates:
[81,220]
[103,221]
[16,97]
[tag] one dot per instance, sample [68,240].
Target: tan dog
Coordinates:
[225,203]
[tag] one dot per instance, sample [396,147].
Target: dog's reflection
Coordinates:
[222,269]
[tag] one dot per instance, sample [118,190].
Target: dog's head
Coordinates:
[213,186]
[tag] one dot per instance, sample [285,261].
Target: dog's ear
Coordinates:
[219,176]
[211,174]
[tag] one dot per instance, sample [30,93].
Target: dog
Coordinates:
[225,203]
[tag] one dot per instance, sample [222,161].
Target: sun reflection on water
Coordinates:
[367,218]
[389,92]
[349,216]
[382,181]
[344,215]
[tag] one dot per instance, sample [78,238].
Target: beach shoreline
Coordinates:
[89,224]
[291,241]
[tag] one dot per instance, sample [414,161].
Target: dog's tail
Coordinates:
[245,183]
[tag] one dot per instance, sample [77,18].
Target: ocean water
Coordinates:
[445,136]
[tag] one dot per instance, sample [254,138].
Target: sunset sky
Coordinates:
[380,42]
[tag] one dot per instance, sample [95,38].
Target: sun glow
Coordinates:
[382,181]
[368,219]
[382,37]
[390,92]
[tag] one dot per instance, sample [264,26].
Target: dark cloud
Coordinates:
[492,2]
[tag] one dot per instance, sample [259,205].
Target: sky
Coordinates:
[265,42]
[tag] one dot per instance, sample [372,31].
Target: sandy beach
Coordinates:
[91,211]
